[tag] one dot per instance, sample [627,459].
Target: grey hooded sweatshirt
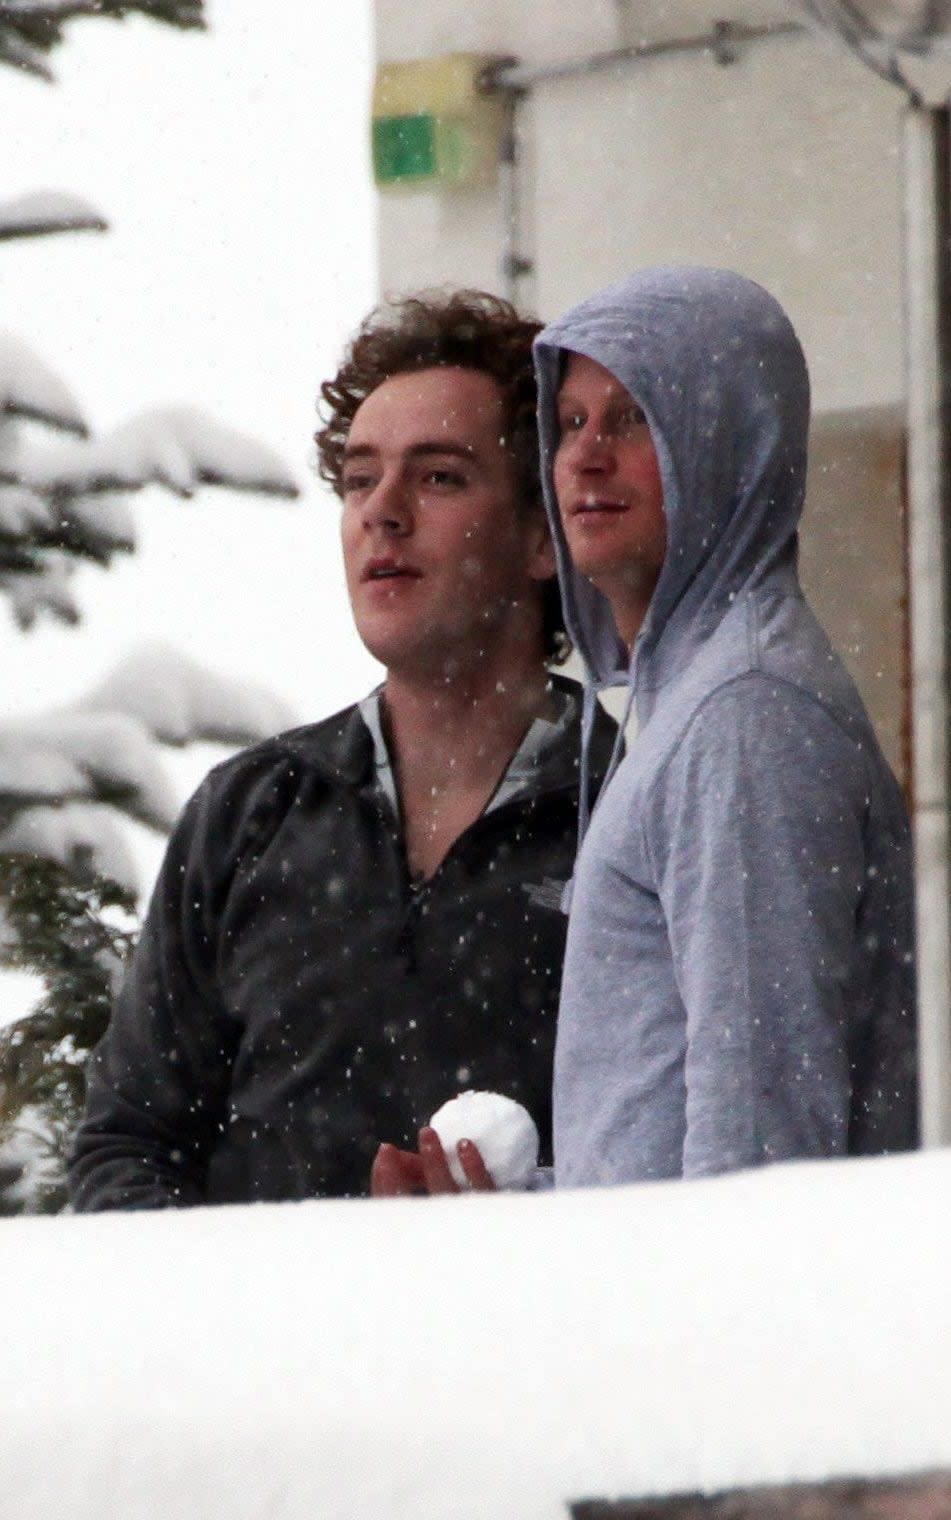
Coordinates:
[739,980]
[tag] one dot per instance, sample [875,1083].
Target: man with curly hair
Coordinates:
[358,919]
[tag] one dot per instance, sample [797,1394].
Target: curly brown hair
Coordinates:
[466,329]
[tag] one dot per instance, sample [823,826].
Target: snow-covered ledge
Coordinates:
[478,1358]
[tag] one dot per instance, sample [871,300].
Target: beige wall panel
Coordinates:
[853,560]
[852,564]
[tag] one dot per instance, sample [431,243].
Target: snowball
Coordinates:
[502,1129]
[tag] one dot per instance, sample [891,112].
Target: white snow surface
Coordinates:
[502,1129]
[41,211]
[29,388]
[482,1357]
[179,447]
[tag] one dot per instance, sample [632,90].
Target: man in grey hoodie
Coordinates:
[739,980]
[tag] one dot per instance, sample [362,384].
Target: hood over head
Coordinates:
[713,361]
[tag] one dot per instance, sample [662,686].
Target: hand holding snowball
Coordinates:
[449,1160]
[502,1129]
[402,1174]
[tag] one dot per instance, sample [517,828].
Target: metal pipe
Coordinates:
[926,145]
[514,264]
[721,43]
[515,80]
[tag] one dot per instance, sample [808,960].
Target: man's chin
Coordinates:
[432,649]
[400,651]
[436,657]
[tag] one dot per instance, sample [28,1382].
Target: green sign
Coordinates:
[404,148]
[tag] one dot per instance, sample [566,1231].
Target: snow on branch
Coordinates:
[24,518]
[80,836]
[22,512]
[112,753]
[102,749]
[62,502]
[44,588]
[177,446]
[31,28]
[181,13]
[181,701]
[29,388]
[29,774]
[45,211]
[20,55]
[95,527]
[39,13]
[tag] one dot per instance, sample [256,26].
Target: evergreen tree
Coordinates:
[67,888]
[74,929]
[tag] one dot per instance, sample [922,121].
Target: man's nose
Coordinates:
[387,507]
[592,454]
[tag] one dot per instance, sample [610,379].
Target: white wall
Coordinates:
[783,165]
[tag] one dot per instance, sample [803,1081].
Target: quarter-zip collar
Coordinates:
[345,752]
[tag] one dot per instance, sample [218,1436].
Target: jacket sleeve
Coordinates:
[758,843]
[157,1083]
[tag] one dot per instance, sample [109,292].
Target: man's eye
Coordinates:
[444,477]
[355,483]
[632,417]
[570,422]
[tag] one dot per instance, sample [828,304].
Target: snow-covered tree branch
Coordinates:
[68,777]
[31,29]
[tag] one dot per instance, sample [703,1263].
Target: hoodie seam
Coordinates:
[756,674]
[752,633]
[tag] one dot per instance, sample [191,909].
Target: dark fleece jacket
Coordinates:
[294,1000]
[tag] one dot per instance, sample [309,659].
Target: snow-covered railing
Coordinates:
[480,1358]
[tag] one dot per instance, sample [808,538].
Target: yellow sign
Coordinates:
[433,125]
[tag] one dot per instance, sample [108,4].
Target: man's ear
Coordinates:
[541,549]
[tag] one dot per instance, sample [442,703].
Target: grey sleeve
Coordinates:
[758,837]
[157,1083]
